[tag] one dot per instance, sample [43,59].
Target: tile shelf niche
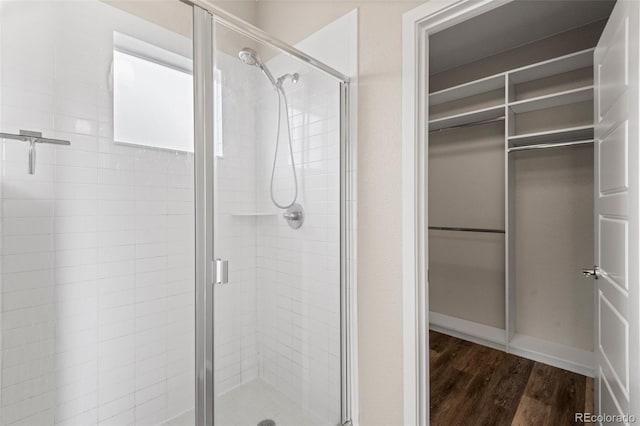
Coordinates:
[253,214]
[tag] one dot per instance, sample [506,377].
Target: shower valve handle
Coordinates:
[291,215]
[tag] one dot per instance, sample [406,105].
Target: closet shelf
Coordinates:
[562,64]
[467,118]
[552,100]
[549,145]
[466,90]
[560,135]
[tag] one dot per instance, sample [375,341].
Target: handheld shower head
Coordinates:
[248,56]
[251,58]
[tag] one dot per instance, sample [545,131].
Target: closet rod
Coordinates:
[447,228]
[475,123]
[549,145]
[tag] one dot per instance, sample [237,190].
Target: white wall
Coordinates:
[97,246]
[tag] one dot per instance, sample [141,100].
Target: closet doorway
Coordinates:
[521,173]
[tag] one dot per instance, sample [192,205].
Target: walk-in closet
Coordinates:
[511,180]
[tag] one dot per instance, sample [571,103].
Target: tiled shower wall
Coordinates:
[97,246]
[278,319]
[236,338]
[298,271]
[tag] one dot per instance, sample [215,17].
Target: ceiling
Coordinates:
[509,26]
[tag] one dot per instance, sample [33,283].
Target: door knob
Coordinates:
[592,272]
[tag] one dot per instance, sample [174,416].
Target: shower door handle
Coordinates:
[221,271]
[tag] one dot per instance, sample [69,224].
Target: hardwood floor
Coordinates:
[475,385]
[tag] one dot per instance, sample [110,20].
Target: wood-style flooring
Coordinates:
[471,384]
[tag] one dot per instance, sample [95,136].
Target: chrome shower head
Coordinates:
[249,56]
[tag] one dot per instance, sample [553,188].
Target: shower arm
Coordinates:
[293,77]
[32,138]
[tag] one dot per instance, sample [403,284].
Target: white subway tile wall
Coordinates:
[278,319]
[298,271]
[236,340]
[97,291]
[97,246]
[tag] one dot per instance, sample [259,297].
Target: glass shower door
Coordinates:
[277,325]
[97,212]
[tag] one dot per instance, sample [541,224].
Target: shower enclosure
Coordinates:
[176,221]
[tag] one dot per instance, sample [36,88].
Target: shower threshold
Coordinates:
[252,403]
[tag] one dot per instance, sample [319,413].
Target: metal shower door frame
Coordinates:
[203,44]
[205,15]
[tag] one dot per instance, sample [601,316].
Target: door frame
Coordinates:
[203,72]
[417,25]
[205,16]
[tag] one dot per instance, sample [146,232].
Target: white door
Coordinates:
[616,117]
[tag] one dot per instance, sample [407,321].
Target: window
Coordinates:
[153,96]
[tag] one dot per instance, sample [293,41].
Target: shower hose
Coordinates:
[282,99]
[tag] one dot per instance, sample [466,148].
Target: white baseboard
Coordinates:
[566,357]
[481,334]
